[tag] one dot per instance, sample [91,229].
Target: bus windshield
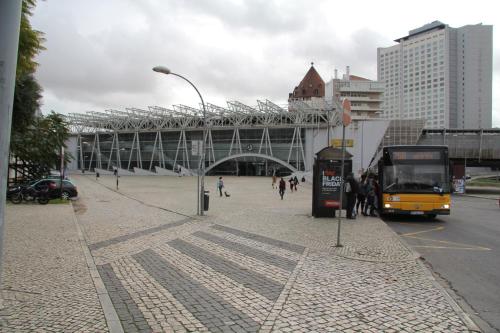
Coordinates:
[419,175]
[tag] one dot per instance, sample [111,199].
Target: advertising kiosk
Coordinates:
[327,181]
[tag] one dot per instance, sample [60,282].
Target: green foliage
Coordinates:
[27,90]
[26,102]
[40,144]
[35,140]
[30,42]
[59,201]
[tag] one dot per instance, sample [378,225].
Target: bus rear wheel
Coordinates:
[432,216]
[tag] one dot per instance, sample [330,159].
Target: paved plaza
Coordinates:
[140,260]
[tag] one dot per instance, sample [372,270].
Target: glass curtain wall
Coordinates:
[177,149]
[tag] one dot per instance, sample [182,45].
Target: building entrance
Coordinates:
[259,167]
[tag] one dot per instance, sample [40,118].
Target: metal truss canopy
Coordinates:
[180,117]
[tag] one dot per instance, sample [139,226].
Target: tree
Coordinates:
[35,140]
[30,42]
[26,102]
[27,93]
[39,147]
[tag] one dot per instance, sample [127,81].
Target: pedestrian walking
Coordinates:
[295,183]
[282,187]
[274,181]
[220,185]
[351,189]
[291,184]
[361,194]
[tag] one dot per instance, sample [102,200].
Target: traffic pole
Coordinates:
[341,187]
[346,120]
[61,173]
[10,21]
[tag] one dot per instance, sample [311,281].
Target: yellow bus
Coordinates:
[414,180]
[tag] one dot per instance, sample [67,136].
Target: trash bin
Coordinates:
[206,199]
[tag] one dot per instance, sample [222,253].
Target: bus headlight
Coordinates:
[445,206]
[387,206]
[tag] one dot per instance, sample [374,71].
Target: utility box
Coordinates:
[327,181]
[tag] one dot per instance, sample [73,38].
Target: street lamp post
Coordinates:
[201,166]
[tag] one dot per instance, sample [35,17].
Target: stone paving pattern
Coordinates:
[46,285]
[264,267]
[131,317]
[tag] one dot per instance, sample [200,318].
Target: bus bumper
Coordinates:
[415,212]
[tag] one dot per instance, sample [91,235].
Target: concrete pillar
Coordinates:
[10,18]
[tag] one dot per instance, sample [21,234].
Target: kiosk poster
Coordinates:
[329,184]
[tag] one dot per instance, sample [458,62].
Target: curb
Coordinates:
[471,325]
[477,196]
[112,320]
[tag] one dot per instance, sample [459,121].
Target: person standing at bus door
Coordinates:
[377,203]
[361,194]
[282,188]
[351,189]
[370,197]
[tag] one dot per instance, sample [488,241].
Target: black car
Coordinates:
[68,189]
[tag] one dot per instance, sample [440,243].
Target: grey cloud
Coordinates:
[359,51]
[278,16]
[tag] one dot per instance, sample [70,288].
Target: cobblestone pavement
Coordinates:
[254,263]
[46,284]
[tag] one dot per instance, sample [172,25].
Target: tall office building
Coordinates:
[440,73]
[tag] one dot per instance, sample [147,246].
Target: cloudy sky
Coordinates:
[100,53]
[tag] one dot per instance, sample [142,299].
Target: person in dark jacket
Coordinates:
[291,183]
[351,189]
[361,194]
[370,197]
[282,188]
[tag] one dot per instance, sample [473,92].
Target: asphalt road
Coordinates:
[463,249]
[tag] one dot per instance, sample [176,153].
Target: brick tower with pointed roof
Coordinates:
[311,87]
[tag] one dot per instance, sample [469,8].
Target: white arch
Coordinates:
[267,157]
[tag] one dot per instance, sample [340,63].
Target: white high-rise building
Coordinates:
[441,74]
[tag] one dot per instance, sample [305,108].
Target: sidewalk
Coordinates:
[46,284]
[253,264]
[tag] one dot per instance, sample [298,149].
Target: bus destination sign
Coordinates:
[416,155]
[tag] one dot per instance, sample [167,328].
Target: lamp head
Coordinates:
[162,69]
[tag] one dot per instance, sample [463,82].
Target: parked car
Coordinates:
[69,190]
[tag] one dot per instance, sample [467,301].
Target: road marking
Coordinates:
[421,232]
[454,245]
